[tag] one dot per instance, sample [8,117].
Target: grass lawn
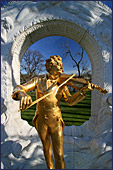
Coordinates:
[72,115]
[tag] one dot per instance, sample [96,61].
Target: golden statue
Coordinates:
[48,119]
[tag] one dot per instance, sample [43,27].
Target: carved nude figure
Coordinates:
[6,26]
[48,119]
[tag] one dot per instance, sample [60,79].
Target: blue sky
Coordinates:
[53,45]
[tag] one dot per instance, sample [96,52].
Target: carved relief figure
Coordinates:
[6,25]
[48,119]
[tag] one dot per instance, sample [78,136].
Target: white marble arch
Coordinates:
[24,23]
[72,31]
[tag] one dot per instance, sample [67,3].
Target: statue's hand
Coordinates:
[25,100]
[87,87]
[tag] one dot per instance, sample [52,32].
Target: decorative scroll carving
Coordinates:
[102,32]
[81,11]
[34,8]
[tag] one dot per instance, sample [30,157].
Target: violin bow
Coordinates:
[91,86]
[41,98]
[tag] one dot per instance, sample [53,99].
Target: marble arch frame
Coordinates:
[69,30]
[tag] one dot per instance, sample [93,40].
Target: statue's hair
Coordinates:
[52,61]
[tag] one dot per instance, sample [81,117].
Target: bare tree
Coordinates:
[77,58]
[32,64]
[84,66]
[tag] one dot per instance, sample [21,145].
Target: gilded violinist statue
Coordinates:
[48,118]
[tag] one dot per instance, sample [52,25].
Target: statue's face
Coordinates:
[57,69]
[54,65]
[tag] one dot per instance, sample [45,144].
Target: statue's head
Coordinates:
[54,65]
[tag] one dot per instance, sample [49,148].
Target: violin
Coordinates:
[78,83]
